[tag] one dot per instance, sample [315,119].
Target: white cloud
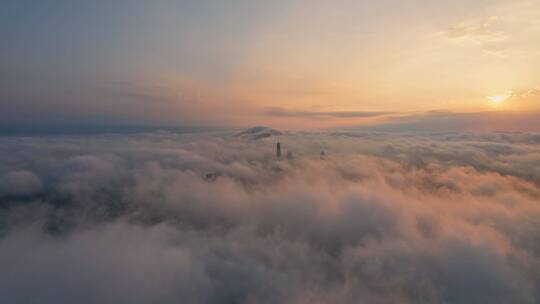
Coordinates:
[433,218]
[19,182]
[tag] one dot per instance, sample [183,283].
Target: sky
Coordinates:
[389,65]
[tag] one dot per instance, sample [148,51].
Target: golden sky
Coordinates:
[291,64]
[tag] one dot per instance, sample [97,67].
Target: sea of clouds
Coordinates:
[215,218]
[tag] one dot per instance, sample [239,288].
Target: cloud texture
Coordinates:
[213,218]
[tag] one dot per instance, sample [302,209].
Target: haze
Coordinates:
[264,152]
[290,64]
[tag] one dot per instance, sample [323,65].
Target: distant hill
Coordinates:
[258,133]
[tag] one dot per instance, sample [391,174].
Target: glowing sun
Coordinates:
[497,99]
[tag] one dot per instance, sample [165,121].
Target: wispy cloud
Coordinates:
[526,92]
[301,92]
[279,112]
[443,121]
[485,33]
[480,32]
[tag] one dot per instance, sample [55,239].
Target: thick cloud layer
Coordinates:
[214,218]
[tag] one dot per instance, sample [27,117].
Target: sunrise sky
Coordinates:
[297,64]
[270,151]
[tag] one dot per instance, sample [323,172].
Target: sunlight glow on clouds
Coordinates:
[448,218]
[498,99]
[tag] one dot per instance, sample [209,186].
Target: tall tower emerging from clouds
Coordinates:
[278,150]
